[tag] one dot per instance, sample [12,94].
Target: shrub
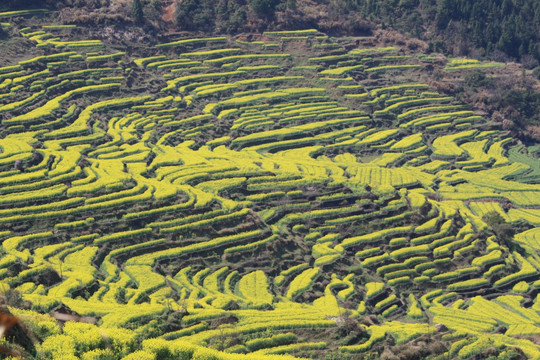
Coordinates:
[57,346]
[275,340]
[263,7]
[99,354]
[140,355]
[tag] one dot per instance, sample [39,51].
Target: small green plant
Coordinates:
[137,11]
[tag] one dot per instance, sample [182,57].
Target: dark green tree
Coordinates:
[137,11]
[445,13]
[526,102]
[291,4]
[263,8]
[494,27]
[193,15]
[502,230]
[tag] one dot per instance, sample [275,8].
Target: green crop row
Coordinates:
[402,104]
[81,209]
[400,274]
[374,236]
[251,246]
[317,115]
[175,64]
[75,44]
[409,142]
[378,136]
[74,224]
[146,280]
[47,58]
[258,67]
[5,84]
[414,310]
[186,350]
[147,60]
[92,183]
[436,108]
[327,259]
[123,235]
[393,67]
[473,66]
[284,349]
[385,302]
[10,76]
[396,99]
[493,256]
[383,270]
[87,72]
[21,103]
[373,289]
[468,284]
[370,258]
[377,334]
[22,12]
[275,340]
[292,32]
[211,89]
[446,249]
[285,93]
[22,79]
[489,310]
[428,226]
[56,64]
[173,84]
[52,105]
[435,119]
[254,288]
[25,275]
[80,124]
[132,248]
[529,238]
[136,190]
[283,133]
[202,246]
[370,51]
[158,211]
[10,68]
[106,57]
[431,239]
[302,282]
[193,41]
[11,244]
[317,214]
[184,332]
[204,222]
[58,27]
[246,56]
[445,146]
[36,209]
[526,270]
[410,251]
[341,70]
[328,58]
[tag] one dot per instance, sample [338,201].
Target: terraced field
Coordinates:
[292,196]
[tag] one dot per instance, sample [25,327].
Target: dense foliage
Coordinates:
[501,29]
[508,26]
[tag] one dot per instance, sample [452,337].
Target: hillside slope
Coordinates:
[499,30]
[293,195]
